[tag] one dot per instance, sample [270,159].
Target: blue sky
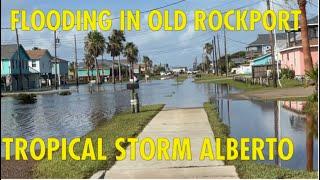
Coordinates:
[175,48]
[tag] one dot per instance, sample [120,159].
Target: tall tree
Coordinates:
[147,63]
[95,45]
[89,62]
[208,48]
[114,48]
[131,52]
[305,36]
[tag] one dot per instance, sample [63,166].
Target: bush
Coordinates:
[65,93]
[27,98]
[287,74]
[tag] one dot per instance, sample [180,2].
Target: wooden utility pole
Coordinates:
[76,61]
[215,55]
[213,61]
[225,50]
[20,83]
[219,53]
[274,72]
[55,60]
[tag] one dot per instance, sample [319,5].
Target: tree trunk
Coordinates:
[305,36]
[119,65]
[97,71]
[113,78]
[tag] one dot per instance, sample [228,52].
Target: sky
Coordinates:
[175,48]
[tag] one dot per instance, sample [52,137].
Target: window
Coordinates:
[34,63]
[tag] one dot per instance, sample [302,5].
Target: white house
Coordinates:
[40,66]
[179,69]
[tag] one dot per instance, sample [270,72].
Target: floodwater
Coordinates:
[75,115]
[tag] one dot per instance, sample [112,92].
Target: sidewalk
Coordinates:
[170,123]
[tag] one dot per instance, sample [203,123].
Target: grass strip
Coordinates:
[251,169]
[124,125]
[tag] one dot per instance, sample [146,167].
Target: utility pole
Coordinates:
[213,61]
[215,55]
[219,53]
[20,84]
[76,61]
[225,50]
[55,60]
[274,73]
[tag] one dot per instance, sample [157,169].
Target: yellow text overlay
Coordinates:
[177,20]
[149,149]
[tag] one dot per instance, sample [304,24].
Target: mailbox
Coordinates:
[132,86]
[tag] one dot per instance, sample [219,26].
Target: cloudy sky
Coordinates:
[175,48]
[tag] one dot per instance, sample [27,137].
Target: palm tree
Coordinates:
[89,62]
[115,47]
[208,48]
[95,45]
[131,52]
[147,63]
[305,36]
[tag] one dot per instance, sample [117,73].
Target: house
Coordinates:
[238,60]
[292,56]
[40,65]
[179,69]
[14,67]
[59,67]
[242,69]
[261,45]
[104,70]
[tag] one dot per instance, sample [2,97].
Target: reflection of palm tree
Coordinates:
[276,131]
[94,46]
[311,131]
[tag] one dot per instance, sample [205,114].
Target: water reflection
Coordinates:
[249,118]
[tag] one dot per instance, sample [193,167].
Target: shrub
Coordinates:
[65,93]
[27,98]
[287,74]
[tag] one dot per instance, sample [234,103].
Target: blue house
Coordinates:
[262,60]
[14,70]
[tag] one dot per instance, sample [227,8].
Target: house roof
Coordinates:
[238,60]
[264,39]
[58,60]
[8,50]
[37,53]
[311,22]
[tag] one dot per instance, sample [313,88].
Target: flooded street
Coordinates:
[77,114]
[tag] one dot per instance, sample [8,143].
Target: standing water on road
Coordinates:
[75,115]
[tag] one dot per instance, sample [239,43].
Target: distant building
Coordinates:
[12,68]
[292,56]
[62,70]
[262,45]
[238,61]
[179,69]
[40,66]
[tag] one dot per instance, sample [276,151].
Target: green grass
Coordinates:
[251,169]
[211,78]
[181,78]
[124,125]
